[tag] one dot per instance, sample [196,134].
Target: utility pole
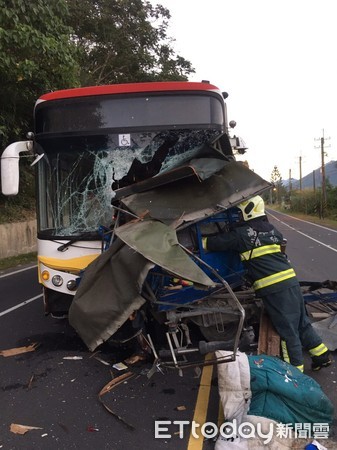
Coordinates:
[323,171]
[300,159]
[324,198]
[290,181]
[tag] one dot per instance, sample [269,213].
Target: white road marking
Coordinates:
[303,234]
[305,221]
[17,271]
[20,305]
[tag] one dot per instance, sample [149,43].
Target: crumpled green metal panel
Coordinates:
[191,199]
[108,293]
[158,243]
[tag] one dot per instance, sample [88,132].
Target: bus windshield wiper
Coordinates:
[66,245]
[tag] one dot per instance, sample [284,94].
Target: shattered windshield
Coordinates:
[78,175]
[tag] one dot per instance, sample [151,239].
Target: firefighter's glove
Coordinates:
[204,243]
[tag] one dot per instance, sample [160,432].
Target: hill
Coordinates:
[315,178]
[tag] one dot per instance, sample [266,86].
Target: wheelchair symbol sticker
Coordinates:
[124,140]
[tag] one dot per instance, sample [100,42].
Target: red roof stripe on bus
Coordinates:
[129,88]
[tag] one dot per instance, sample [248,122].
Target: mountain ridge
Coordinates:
[316,177]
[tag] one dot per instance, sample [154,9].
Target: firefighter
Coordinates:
[274,281]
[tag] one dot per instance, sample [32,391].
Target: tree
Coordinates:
[123,41]
[36,57]
[276,179]
[47,45]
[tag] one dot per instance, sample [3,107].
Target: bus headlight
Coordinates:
[72,285]
[57,280]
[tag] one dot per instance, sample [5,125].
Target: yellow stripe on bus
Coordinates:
[73,264]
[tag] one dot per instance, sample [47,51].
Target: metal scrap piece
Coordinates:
[108,387]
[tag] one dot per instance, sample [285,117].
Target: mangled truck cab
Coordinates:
[130,178]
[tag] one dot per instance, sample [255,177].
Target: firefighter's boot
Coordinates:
[320,361]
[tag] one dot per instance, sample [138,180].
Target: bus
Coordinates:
[96,148]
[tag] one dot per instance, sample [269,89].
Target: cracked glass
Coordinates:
[78,183]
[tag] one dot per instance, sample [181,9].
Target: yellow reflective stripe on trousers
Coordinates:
[285,353]
[319,350]
[260,251]
[274,278]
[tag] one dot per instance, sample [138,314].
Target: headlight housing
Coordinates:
[72,285]
[57,280]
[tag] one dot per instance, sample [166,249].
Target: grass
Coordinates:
[15,213]
[15,261]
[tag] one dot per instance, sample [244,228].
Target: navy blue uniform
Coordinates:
[274,281]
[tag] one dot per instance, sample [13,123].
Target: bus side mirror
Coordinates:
[10,166]
[238,144]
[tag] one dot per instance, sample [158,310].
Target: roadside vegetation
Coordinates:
[305,204]
[21,207]
[15,261]
[309,202]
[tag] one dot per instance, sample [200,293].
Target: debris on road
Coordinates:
[120,366]
[181,408]
[19,350]
[108,387]
[92,428]
[22,429]
[106,363]
[30,384]
[115,382]
[73,358]
[135,358]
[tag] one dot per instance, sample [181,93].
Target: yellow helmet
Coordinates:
[252,208]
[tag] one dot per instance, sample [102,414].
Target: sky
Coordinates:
[278,62]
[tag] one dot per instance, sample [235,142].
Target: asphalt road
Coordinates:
[60,396]
[311,248]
